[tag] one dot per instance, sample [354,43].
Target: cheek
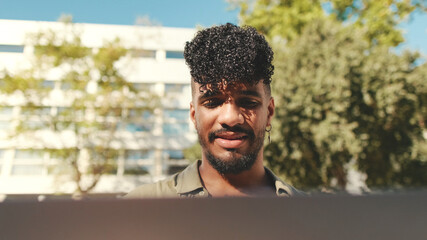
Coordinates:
[200,123]
[256,118]
[205,119]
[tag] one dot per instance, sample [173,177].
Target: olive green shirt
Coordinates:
[188,184]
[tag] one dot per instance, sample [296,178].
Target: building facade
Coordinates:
[151,147]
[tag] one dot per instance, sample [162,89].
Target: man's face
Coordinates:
[230,121]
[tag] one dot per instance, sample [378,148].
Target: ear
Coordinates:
[193,114]
[270,111]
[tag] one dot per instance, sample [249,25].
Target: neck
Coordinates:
[252,182]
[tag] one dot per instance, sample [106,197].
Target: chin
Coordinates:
[231,162]
[227,155]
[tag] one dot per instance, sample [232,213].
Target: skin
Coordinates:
[241,106]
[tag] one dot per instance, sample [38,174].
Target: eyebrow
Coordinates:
[250,93]
[208,93]
[211,93]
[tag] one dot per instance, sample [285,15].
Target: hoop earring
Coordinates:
[268,130]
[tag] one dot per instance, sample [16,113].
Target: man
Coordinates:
[231,110]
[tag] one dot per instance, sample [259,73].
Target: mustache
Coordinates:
[235,129]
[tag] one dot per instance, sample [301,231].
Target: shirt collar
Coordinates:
[188,182]
[282,189]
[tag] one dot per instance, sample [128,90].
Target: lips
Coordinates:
[230,140]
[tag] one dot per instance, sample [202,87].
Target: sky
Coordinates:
[168,13]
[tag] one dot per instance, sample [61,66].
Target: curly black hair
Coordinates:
[231,53]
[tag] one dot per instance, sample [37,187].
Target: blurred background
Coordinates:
[94,95]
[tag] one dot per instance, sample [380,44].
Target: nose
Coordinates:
[230,115]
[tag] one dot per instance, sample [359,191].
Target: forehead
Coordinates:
[232,89]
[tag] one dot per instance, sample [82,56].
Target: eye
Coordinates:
[248,103]
[212,103]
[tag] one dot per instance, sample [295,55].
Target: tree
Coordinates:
[339,102]
[343,98]
[287,18]
[95,104]
[194,152]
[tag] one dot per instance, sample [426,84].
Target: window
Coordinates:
[140,114]
[105,158]
[144,87]
[1,158]
[48,84]
[175,128]
[34,124]
[136,162]
[74,84]
[109,112]
[4,125]
[36,111]
[27,169]
[137,170]
[173,154]
[135,155]
[61,110]
[28,154]
[175,54]
[59,168]
[28,162]
[138,127]
[177,114]
[175,88]
[6,112]
[11,48]
[143,53]
[69,112]
[65,85]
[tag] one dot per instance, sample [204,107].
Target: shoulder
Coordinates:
[282,188]
[163,188]
[184,183]
[293,191]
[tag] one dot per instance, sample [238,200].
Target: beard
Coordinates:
[237,162]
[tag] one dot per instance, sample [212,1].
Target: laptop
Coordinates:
[391,216]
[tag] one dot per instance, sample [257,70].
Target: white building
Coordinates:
[156,148]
